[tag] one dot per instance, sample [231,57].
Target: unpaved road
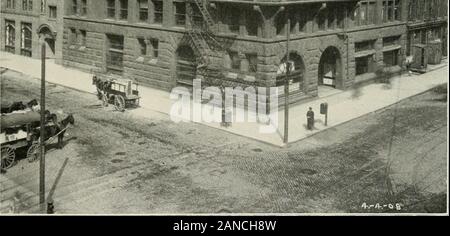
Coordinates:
[120,163]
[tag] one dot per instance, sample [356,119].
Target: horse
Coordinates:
[58,128]
[62,125]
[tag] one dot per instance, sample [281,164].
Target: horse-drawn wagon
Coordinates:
[18,130]
[123,93]
[22,130]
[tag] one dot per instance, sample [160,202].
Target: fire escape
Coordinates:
[204,42]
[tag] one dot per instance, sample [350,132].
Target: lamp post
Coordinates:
[42,135]
[286,84]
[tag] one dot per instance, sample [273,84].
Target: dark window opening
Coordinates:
[142,47]
[52,12]
[114,54]
[157,12]
[155,47]
[390,58]
[365,65]
[123,9]
[143,10]
[180,13]
[83,8]
[111,9]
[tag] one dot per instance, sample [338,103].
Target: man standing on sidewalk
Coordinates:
[310,119]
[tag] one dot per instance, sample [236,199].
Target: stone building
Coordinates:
[26,24]
[427,25]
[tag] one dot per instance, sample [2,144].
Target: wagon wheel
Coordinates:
[105,100]
[8,156]
[33,153]
[119,103]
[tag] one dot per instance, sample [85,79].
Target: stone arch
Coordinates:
[48,36]
[186,64]
[297,72]
[330,68]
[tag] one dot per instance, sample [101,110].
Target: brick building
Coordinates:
[427,25]
[26,24]
[166,43]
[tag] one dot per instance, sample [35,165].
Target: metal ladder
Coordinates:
[204,42]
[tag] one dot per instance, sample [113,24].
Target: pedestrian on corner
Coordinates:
[310,119]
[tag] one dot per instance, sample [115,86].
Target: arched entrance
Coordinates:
[47,36]
[297,72]
[330,68]
[186,67]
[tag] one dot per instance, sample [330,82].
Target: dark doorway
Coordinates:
[186,65]
[330,68]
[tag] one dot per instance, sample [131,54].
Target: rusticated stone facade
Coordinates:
[332,43]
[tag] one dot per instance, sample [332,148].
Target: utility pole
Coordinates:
[286,84]
[42,136]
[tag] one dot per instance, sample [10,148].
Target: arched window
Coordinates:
[10,33]
[26,39]
[296,71]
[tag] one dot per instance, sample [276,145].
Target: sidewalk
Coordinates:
[343,106]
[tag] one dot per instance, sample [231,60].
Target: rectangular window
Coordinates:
[73,36]
[83,8]
[25,5]
[114,54]
[252,62]
[83,35]
[123,9]
[142,47]
[10,4]
[52,12]
[234,16]
[391,41]
[43,6]
[155,47]
[391,10]
[340,17]
[30,5]
[366,13]
[74,7]
[365,46]
[331,18]
[180,13]
[252,22]
[302,20]
[143,10]
[111,9]
[157,12]
[321,20]
[235,61]
[390,58]
[365,64]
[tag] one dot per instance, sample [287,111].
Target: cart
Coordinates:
[18,130]
[123,93]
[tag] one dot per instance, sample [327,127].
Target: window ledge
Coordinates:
[140,59]
[391,48]
[364,53]
[153,61]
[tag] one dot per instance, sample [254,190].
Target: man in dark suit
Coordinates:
[310,118]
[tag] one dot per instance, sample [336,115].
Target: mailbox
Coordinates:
[324,108]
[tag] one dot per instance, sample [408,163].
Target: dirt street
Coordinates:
[116,162]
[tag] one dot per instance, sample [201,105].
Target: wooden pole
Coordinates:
[42,136]
[286,84]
